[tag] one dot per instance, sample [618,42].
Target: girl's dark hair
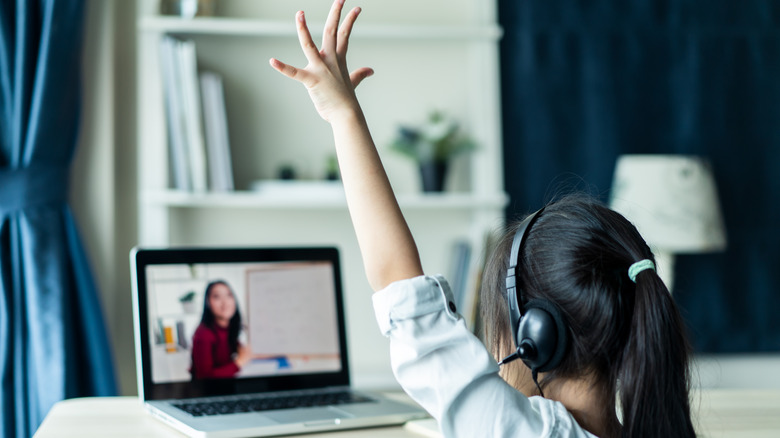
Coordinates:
[629,338]
[208,320]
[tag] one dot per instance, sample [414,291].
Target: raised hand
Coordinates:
[388,249]
[326,77]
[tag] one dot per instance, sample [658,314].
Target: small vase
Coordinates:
[433,174]
[188,8]
[188,307]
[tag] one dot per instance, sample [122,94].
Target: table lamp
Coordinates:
[673,202]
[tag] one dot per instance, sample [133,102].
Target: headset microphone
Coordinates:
[538,329]
[511,358]
[525,350]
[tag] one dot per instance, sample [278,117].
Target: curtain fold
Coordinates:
[53,339]
[584,82]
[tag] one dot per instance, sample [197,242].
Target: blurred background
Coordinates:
[586,82]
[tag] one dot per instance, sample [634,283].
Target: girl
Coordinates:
[216,352]
[611,326]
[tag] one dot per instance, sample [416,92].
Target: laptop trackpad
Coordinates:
[306,415]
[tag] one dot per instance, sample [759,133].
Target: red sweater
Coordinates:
[211,355]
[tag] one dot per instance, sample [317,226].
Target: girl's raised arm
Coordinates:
[386,244]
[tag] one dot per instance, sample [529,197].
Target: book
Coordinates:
[193,114]
[181,335]
[466,284]
[217,140]
[170,342]
[459,272]
[179,161]
[184,115]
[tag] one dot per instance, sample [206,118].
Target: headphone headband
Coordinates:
[514,255]
[538,328]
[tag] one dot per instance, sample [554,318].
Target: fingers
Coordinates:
[299,75]
[344,32]
[304,37]
[357,76]
[331,27]
[335,40]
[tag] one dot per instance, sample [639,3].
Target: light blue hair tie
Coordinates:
[638,267]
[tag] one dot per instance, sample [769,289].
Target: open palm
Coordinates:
[330,84]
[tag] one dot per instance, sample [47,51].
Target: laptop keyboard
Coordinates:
[269,402]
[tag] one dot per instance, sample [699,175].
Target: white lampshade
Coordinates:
[672,200]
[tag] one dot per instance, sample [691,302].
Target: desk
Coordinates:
[718,413]
[733,413]
[125,417]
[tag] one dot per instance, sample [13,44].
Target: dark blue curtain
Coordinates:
[53,342]
[586,81]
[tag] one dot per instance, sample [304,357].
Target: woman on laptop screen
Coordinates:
[216,351]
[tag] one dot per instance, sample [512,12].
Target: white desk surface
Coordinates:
[126,417]
[718,413]
[727,413]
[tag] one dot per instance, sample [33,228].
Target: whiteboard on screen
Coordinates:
[292,310]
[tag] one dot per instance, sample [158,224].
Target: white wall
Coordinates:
[103,176]
[93,186]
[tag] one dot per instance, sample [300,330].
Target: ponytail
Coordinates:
[654,374]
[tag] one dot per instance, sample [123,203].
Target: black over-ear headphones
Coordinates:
[538,328]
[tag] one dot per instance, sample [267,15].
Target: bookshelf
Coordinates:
[443,58]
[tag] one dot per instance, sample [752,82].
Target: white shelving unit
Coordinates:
[443,59]
[273,28]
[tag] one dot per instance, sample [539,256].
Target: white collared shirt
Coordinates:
[448,371]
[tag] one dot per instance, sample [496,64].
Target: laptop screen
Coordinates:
[231,321]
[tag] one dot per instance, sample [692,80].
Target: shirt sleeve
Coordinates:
[448,371]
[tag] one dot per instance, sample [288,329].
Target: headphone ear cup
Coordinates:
[542,334]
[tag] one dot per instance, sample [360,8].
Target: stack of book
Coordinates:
[197,122]
[468,260]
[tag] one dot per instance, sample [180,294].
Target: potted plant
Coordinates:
[188,302]
[432,145]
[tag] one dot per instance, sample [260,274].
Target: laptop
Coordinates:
[265,354]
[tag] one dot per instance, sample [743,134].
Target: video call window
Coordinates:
[287,312]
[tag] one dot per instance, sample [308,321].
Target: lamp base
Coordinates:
[664,266]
